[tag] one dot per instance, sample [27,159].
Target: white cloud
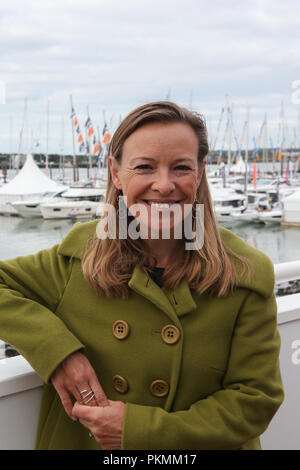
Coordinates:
[115,55]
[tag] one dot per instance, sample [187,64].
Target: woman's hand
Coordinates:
[75,376]
[105,422]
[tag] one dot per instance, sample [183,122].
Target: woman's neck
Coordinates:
[163,250]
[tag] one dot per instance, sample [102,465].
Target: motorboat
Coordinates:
[77,202]
[272,216]
[31,207]
[226,202]
[256,203]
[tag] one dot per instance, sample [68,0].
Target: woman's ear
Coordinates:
[114,171]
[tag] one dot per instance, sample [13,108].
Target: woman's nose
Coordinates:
[163,183]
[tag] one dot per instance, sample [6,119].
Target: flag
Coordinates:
[88,122]
[90,131]
[287,175]
[279,155]
[81,147]
[75,123]
[254,174]
[298,159]
[106,138]
[96,149]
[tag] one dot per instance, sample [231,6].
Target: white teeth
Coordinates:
[161,205]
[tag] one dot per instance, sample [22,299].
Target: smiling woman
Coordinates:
[157,156]
[161,347]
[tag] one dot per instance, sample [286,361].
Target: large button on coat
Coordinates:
[120,329]
[159,388]
[170,334]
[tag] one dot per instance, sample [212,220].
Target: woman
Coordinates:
[160,346]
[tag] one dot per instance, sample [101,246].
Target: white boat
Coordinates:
[272,216]
[251,212]
[226,202]
[31,208]
[76,203]
[247,215]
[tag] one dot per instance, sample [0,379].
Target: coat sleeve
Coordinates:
[31,288]
[241,410]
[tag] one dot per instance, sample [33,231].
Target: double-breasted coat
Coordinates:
[195,371]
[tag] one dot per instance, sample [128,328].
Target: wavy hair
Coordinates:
[108,263]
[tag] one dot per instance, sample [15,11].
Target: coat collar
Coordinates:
[177,301]
[262,281]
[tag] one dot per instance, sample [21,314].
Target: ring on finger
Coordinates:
[87,395]
[90,399]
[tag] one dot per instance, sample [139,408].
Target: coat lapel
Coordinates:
[173,302]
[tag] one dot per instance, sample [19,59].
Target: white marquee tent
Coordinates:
[29,182]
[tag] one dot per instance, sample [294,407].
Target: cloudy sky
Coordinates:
[115,55]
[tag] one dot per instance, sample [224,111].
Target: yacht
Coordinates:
[226,202]
[77,202]
[272,216]
[31,207]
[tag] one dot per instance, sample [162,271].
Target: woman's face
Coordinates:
[159,168]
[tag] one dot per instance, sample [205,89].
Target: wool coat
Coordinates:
[215,385]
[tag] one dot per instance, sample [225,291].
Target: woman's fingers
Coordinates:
[100,397]
[66,401]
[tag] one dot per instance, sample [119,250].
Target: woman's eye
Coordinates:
[143,167]
[182,168]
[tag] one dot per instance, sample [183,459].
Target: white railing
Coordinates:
[21,387]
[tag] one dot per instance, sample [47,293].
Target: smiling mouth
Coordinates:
[161,204]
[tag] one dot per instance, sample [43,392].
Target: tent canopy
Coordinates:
[29,180]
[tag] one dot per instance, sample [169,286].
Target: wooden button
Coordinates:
[170,334]
[120,384]
[159,388]
[120,329]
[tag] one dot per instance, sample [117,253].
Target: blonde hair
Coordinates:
[108,263]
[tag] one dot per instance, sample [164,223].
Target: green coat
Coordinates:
[223,372]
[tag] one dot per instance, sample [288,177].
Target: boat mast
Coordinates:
[88,140]
[229,110]
[47,136]
[265,145]
[10,142]
[73,140]
[282,137]
[62,148]
[22,131]
[246,153]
